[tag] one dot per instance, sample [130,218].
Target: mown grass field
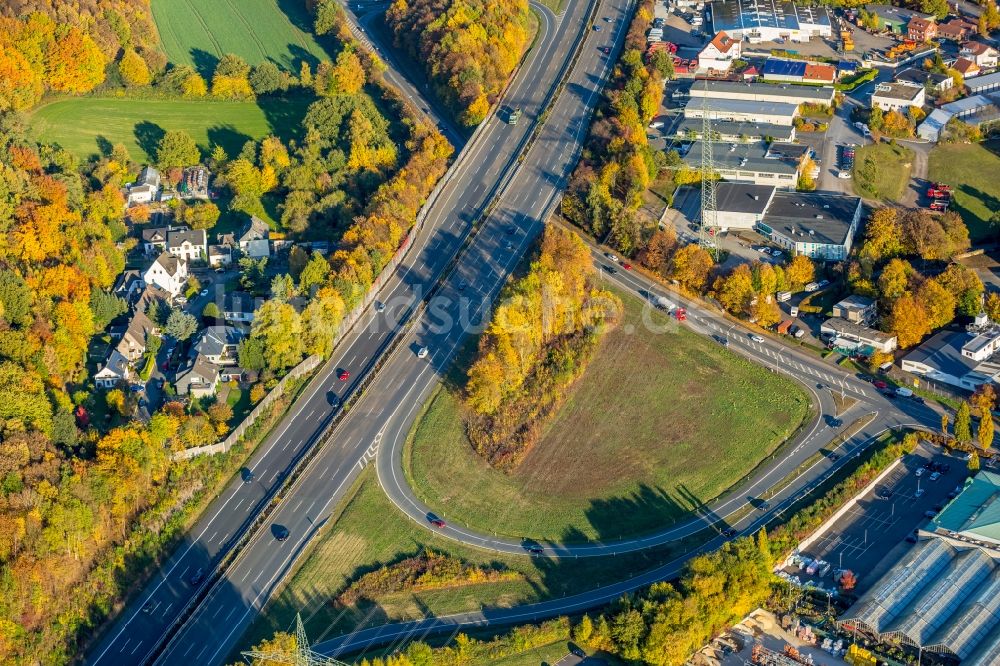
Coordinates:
[973,171]
[199,33]
[369,531]
[659,424]
[88,126]
[881,171]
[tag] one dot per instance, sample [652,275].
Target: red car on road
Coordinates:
[880,385]
[627,266]
[437,522]
[343,375]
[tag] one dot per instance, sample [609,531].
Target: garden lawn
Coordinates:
[199,33]
[88,126]
[659,424]
[973,171]
[369,532]
[881,171]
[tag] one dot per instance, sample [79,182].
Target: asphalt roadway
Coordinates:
[479,169]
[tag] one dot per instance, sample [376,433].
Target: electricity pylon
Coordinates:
[708,223]
[303,655]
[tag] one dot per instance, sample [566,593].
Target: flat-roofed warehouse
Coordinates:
[943,596]
[747,163]
[762,92]
[820,225]
[738,110]
[736,131]
[767,20]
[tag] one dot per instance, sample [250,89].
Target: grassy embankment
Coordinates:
[881,171]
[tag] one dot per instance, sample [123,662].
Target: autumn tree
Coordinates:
[690,266]
[193,86]
[201,215]
[21,85]
[278,326]
[973,464]
[908,321]
[74,63]
[848,581]
[883,235]
[181,325]
[963,422]
[985,432]
[133,69]
[230,80]
[177,149]
[265,78]
[800,271]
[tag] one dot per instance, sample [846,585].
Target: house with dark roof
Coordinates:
[965,67]
[154,239]
[169,273]
[218,344]
[958,358]
[898,96]
[255,231]
[922,77]
[739,205]
[239,306]
[129,286]
[198,378]
[187,244]
[146,189]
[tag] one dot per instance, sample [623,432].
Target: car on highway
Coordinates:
[844,173]
[437,522]
[422,352]
[597,28]
[934,476]
[204,292]
[462,284]
[920,471]
[722,340]
[606,50]
[729,534]
[513,115]
[536,550]
[608,19]
[511,230]
[281,533]
[756,338]
[880,385]
[611,256]
[627,266]
[197,577]
[343,375]
[379,306]
[148,607]
[610,269]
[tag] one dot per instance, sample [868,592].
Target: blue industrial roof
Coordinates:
[781,67]
[848,66]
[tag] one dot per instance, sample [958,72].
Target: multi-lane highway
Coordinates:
[221,609]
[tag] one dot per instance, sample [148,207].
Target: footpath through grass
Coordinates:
[88,126]
[881,171]
[199,33]
[370,532]
[973,171]
[660,423]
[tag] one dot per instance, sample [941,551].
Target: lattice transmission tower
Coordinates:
[708,219]
[303,655]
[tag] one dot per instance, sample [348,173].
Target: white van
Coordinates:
[904,392]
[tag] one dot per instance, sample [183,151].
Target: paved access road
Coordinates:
[479,169]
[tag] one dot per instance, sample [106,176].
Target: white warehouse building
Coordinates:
[767,20]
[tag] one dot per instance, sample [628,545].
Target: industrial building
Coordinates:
[857,309]
[958,358]
[740,205]
[896,19]
[747,163]
[798,71]
[898,96]
[767,20]
[742,111]
[723,130]
[763,92]
[943,596]
[845,334]
[820,225]
[976,110]
[979,85]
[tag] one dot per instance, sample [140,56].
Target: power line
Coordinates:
[303,655]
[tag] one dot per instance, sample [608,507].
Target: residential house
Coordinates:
[921,29]
[198,378]
[187,244]
[239,306]
[220,255]
[857,309]
[154,239]
[719,54]
[929,80]
[115,369]
[256,230]
[967,68]
[169,273]
[133,343]
[146,189]
[955,29]
[898,96]
[129,286]
[983,55]
[218,344]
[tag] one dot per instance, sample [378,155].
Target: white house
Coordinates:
[220,255]
[898,96]
[719,54]
[187,244]
[115,369]
[169,273]
[983,55]
[239,306]
[256,230]
[146,189]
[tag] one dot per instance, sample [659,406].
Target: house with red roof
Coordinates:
[719,54]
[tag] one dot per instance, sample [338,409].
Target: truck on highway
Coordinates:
[513,116]
[680,314]
[664,304]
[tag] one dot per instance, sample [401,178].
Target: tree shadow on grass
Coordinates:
[227,136]
[285,113]
[148,135]
[204,62]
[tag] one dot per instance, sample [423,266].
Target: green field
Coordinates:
[199,33]
[369,531]
[973,171]
[659,424]
[88,126]
[881,171]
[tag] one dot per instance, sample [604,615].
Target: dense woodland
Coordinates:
[617,164]
[469,48]
[543,333]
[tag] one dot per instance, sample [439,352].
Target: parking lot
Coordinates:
[872,535]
